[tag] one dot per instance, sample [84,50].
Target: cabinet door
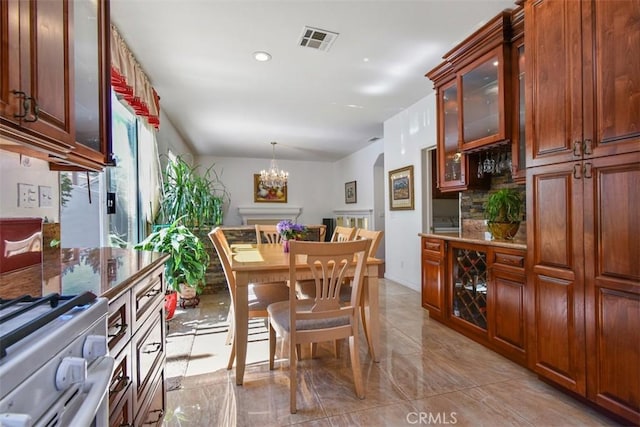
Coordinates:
[554,81]
[9,59]
[518,133]
[506,304]
[483,88]
[433,283]
[611,44]
[612,279]
[555,274]
[46,66]
[451,163]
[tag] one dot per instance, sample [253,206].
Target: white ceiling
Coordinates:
[317,105]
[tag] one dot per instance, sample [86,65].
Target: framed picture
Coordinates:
[401,189]
[263,194]
[350,192]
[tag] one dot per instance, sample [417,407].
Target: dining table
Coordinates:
[268,263]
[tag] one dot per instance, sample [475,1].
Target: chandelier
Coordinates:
[274,177]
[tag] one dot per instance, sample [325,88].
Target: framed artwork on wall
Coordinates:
[401,189]
[350,192]
[263,194]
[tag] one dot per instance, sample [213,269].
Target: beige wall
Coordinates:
[15,169]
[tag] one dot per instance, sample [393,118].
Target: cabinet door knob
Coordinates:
[586,147]
[586,171]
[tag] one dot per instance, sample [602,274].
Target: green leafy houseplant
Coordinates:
[189,258]
[503,212]
[199,198]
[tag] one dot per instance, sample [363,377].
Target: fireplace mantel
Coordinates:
[268,214]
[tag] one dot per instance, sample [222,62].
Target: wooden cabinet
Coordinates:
[54,81]
[136,328]
[433,276]
[586,285]
[37,89]
[473,90]
[582,91]
[478,290]
[583,154]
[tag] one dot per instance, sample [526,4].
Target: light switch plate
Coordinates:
[27,196]
[44,192]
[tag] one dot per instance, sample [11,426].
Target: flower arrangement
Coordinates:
[289,230]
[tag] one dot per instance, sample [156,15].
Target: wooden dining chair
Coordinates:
[260,295]
[325,317]
[374,235]
[306,288]
[268,233]
[342,234]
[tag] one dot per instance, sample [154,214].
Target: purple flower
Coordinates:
[290,230]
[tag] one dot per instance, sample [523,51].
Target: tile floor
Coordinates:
[428,375]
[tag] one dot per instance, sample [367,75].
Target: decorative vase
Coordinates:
[503,230]
[285,245]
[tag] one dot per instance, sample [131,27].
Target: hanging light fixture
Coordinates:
[274,177]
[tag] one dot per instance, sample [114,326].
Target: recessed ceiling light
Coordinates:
[261,56]
[365,59]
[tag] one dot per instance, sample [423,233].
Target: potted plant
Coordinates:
[503,212]
[185,270]
[199,199]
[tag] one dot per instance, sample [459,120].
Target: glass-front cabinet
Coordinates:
[451,162]
[482,100]
[473,87]
[469,290]
[518,146]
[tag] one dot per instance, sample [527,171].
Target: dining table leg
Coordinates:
[242,324]
[372,312]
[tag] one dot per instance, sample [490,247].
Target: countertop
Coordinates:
[104,271]
[478,237]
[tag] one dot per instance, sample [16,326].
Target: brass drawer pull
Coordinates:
[122,331]
[157,347]
[152,293]
[121,384]
[160,413]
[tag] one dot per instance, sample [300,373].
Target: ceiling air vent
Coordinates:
[316,38]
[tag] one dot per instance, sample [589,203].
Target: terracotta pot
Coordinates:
[170,303]
[503,230]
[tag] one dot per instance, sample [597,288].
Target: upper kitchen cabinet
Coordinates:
[54,81]
[481,69]
[518,123]
[473,89]
[36,87]
[582,79]
[483,119]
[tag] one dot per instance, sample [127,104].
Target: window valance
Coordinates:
[129,80]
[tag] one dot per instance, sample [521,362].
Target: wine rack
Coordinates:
[470,286]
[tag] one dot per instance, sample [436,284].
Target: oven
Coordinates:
[54,364]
